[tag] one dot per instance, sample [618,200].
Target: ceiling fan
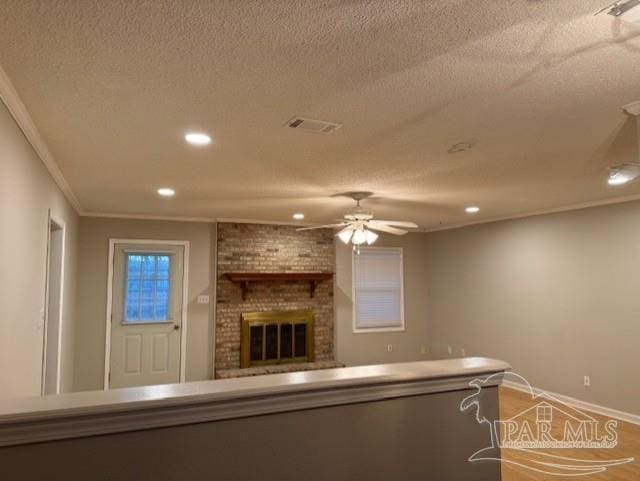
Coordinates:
[359,225]
[618,8]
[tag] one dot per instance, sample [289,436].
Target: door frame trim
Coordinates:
[185,301]
[54,219]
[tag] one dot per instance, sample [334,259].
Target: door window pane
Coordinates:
[147,289]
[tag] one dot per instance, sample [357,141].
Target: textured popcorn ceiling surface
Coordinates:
[537,85]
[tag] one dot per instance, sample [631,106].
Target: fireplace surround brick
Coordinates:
[272,248]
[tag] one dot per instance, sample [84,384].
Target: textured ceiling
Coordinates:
[538,85]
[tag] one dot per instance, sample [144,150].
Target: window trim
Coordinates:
[360,330]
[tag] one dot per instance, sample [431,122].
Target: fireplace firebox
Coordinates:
[276,337]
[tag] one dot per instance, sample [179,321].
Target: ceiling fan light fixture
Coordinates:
[359,237]
[370,236]
[359,226]
[345,236]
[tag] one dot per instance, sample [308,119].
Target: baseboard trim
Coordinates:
[577,403]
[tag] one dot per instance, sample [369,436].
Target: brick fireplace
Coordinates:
[274,249]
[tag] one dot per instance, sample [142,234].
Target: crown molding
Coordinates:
[230,220]
[18,110]
[568,208]
[211,220]
[491,220]
[110,215]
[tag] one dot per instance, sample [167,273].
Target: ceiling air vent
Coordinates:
[311,125]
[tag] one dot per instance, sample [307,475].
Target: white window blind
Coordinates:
[377,289]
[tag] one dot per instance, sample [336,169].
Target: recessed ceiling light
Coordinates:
[622,174]
[166,192]
[197,138]
[472,209]
[298,216]
[618,180]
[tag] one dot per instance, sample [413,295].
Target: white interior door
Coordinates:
[146,314]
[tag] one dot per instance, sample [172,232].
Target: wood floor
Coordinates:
[513,402]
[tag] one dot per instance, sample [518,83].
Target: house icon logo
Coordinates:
[539,437]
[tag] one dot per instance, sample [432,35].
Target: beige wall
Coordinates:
[371,348]
[27,192]
[557,296]
[94,235]
[554,295]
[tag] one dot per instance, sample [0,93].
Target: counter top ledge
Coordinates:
[48,418]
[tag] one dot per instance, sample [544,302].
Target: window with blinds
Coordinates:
[378,298]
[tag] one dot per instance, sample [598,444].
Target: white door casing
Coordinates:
[146,352]
[51,382]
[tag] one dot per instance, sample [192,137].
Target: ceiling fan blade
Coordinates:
[608,7]
[328,226]
[386,228]
[398,223]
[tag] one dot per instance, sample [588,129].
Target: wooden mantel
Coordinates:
[244,278]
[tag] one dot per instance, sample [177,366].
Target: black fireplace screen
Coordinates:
[276,337]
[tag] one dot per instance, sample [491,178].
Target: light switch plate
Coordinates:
[203,299]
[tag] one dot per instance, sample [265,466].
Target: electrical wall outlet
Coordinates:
[587,381]
[449,350]
[389,347]
[463,352]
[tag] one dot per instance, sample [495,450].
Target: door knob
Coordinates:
[176,327]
